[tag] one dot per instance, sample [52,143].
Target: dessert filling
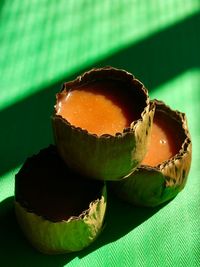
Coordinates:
[165,139]
[103,107]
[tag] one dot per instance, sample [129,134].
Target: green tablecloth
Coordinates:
[45,42]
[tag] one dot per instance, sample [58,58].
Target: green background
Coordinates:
[45,42]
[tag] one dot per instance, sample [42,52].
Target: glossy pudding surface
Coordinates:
[165,139]
[103,107]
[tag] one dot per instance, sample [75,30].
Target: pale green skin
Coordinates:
[64,236]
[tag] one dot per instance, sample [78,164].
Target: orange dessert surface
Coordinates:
[165,141]
[100,107]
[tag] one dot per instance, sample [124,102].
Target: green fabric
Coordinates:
[45,42]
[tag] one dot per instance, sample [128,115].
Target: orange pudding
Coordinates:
[165,140]
[99,107]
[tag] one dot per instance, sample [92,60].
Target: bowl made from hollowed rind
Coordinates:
[57,211]
[105,157]
[152,186]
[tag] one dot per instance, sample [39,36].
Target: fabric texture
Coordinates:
[42,44]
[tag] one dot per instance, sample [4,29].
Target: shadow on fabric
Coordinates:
[26,128]
[26,125]
[15,247]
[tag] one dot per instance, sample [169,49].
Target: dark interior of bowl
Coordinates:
[45,186]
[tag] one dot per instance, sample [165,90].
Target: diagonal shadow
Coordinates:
[15,250]
[121,218]
[164,55]
[26,126]
[14,243]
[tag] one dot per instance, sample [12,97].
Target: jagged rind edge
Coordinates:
[106,157]
[152,186]
[65,236]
